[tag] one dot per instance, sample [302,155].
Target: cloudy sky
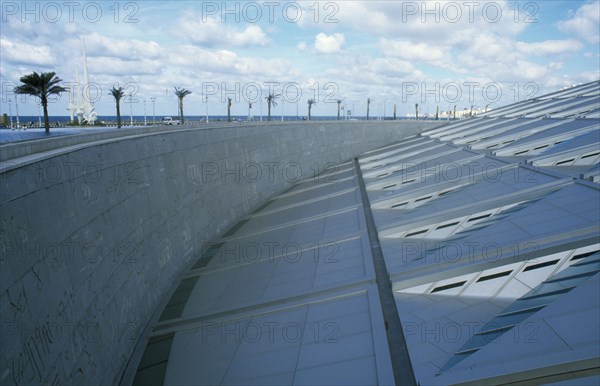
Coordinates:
[435,53]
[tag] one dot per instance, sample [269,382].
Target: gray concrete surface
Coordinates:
[95,229]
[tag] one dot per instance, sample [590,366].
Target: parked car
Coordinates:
[170,121]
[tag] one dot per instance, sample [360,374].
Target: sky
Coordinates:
[438,54]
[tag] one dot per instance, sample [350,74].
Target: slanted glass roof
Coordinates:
[469,237]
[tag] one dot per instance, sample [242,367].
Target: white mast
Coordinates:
[88,110]
[72,108]
[79,110]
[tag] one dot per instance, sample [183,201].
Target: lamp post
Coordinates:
[10,114]
[130,109]
[206,100]
[17,107]
[384,103]
[153,99]
[282,98]
[145,120]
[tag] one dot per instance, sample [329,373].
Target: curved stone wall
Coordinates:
[93,234]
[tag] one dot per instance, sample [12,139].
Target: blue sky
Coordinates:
[435,53]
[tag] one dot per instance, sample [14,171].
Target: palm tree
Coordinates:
[416,111]
[118,93]
[271,100]
[369,100]
[339,102]
[41,85]
[181,93]
[228,109]
[310,103]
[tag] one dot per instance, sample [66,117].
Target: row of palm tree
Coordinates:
[118,93]
[46,84]
[272,101]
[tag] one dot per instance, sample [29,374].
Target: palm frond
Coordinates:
[272,99]
[40,85]
[117,93]
[182,92]
[27,89]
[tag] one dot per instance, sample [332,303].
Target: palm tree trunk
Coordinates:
[309,107]
[338,118]
[269,104]
[181,109]
[118,115]
[367,112]
[46,119]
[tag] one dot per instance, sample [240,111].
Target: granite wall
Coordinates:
[95,229]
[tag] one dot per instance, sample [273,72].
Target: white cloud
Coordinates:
[556,65]
[26,54]
[302,46]
[185,58]
[584,23]
[411,51]
[116,67]
[328,44]
[126,49]
[392,67]
[486,47]
[498,59]
[441,21]
[588,76]
[36,32]
[212,32]
[549,47]
[370,73]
